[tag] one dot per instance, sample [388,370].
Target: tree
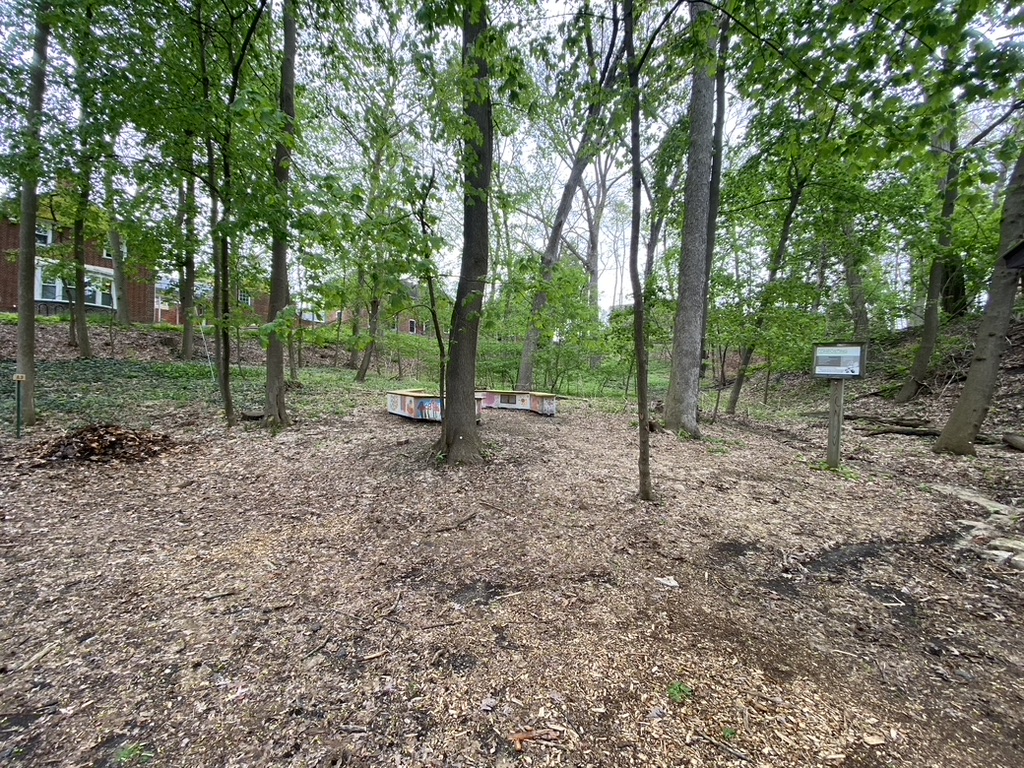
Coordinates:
[683,398]
[639,324]
[30,169]
[601,77]
[460,442]
[971,408]
[275,413]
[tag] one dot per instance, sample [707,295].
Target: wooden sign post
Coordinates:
[838,361]
[18,378]
[835,424]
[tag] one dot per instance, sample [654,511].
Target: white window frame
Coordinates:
[109,257]
[244,298]
[413,328]
[44,233]
[63,292]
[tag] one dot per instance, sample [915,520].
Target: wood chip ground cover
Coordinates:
[329,596]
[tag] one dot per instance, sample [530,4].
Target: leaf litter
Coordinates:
[328,596]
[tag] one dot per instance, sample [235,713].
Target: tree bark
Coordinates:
[774,265]
[364,365]
[639,321]
[81,328]
[460,442]
[187,273]
[275,411]
[548,261]
[961,431]
[26,355]
[853,264]
[683,398]
[929,335]
[122,309]
[715,199]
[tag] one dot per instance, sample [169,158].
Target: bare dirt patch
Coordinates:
[329,596]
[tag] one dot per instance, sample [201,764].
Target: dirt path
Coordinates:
[328,597]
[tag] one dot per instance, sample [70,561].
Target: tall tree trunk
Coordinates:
[548,261]
[30,170]
[774,266]
[122,309]
[364,366]
[929,335]
[937,281]
[435,321]
[937,276]
[683,398]
[853,265]
[187,273]
[715,198]
[459,441]
[969,413]
[639,321]
[275,412]
[581,159]
[81,328]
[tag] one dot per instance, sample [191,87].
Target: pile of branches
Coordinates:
[103,443]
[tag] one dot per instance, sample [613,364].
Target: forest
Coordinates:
[653,209]
[713,184]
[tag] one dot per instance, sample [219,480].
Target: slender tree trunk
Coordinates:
[122,309]
[26,356]
[639,320]
[683,398]
[187,273]
[937,281]
[853,265]
[715,199]
[353,352]
[580,161]
[774,266]
[460,442]
[275,412]
[969,413]
[548,261]
[929,335]
[364,366]
[81,328]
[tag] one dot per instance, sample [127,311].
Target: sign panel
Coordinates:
[839,360]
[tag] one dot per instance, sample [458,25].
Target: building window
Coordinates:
[44,233]
[244,298]
[99,287]
[412,326]
[507,399]
[108,254]
[49,285]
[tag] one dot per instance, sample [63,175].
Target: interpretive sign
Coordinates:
[840,360]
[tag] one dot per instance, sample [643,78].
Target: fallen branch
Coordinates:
[740,755]
[916,431]
[543,735]
[898,422]
[456,525]
[926,432]
[1014,441]
[438,626]
[218,595]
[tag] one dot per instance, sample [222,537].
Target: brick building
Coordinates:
[53,295]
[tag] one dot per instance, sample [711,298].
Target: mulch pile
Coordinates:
[102,443]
